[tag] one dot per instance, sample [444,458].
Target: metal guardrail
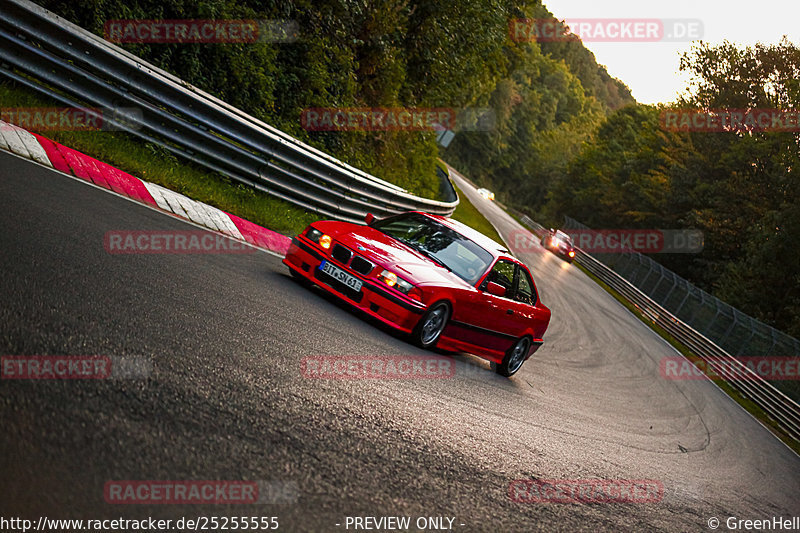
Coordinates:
[732,330]
[784,410]
[54,57]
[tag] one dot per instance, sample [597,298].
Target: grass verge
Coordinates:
[468,214]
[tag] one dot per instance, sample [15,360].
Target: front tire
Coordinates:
[430,327]
[514,358]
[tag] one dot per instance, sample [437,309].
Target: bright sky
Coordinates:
[650,69]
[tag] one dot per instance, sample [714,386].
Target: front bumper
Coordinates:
[378,302]
[559,250]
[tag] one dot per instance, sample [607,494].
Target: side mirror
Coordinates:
[496,289]
[369,219]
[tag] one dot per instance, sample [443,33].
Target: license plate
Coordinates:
[340,275]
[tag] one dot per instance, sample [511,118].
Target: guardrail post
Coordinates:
[774,342]
[743,346]
[655,287]
[686,297]
[669,292]
[713,320]
[730,329]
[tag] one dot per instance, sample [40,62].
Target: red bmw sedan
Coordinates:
[435,279]
[560,244]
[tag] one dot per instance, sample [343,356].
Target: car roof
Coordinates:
[490,245]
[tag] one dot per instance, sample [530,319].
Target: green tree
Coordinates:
[740,187]
[749,199]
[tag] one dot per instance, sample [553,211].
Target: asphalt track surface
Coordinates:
[226,399]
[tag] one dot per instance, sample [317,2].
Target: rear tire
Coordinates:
[514,358]
[430,327]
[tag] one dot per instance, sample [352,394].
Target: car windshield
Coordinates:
[443,245]
[564,237]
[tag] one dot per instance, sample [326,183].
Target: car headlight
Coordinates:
[318,237]
[391,279]
[313,234]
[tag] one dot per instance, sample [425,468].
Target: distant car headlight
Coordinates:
[391,279]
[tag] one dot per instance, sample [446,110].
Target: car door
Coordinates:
[493,319]
[524,292]
[524,300]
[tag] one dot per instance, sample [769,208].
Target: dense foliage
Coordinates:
[741,188]
[393,53]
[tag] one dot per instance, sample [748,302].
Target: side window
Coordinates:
[503,274]
[525,292]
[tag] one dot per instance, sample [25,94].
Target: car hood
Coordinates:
[388,252]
